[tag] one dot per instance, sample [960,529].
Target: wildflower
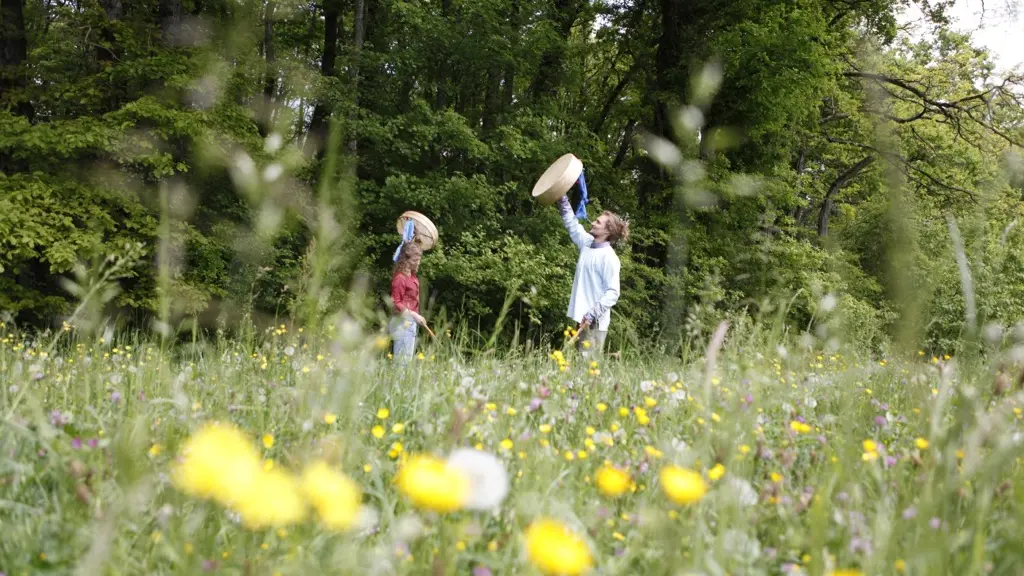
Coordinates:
[653,452]
[377,432]
[612,481]
[420,356]
[681,485]
[715,417]
[383,413]
[336,498]
[433,484]
[268,464]
[650,402]
[641,416]
[510,411]
[921,443]
[488,480]
[217,462]
[900,565]
[744,449]
[395,451]
[330,418]
[602,407]
[847,572]
[398,428]
[491,406]
[545,428]
[268,441]
[554,549]
[870,451]
[776,477]
[799,427]
[716,472]
[273,499]
[623,412]
[507,444]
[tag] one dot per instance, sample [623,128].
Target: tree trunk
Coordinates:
[441,99]
[13,55]
[666,66]
[492,99]
[266,108]
[169,15]
[840,182]
[612,98]
[328,60]
[627,140]
[358,37]
[544,83]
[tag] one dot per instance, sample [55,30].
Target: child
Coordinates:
[595,287]
[405,293]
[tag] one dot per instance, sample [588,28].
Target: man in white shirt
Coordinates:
[595,288]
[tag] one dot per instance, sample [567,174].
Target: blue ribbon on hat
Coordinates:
[407,235]
[581,210]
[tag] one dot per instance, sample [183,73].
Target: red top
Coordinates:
[405,291]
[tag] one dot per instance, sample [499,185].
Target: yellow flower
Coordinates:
[602,407]
[869,446]
[650,402]
[217,462]
[378,432]
[545,428]
[653,452]
[799,427]
[744,449]
[335,497]
[398,428]
[847,572]
[273,500]
[155,450]
[715,417]
[641,416]
[396,450]
[506,444]
[681,485]
[554,549]
[510,411]
[590,430]
[420,356]
[869,456]
[330,418]
[569,455]
[582,454]
[367,468]
[383,413]
[716,472]
[611,481]
[900,566]
[433,485]
[268,465]
[921,443]
[268,441]
[776,477]
[491,406]
[623,412]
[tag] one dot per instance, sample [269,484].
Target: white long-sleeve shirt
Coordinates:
[595,288]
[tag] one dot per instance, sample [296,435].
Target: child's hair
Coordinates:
[618,228]
[409,251]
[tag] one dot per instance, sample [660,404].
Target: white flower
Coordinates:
[742,490]
[488,479]
[273,143]
[272,172]
[646,386]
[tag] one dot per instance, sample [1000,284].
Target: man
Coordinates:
[595,288]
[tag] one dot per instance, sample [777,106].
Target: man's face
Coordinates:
[599,227]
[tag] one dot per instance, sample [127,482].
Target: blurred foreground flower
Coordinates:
[273,500]
[337,498]
[681,485]
[488,481]
[611,481]
[218,462]
[554,549]
[433,484]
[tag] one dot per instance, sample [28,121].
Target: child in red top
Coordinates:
[405,293]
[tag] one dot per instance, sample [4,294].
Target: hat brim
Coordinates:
[426,233]
[558,179]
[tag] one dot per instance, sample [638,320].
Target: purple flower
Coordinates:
[910,513]
[115,396]
[860,545]
[535,404]
[890,461]
[801,419]
[76,443]
[880,421]
[58,419]
[545,392]
[481,571]
[209,565]
[822,440]
[619,551]
[142,396]
[842,496]
[935,522]
[93,442]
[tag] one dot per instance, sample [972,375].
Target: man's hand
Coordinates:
[583,325]
[419,319]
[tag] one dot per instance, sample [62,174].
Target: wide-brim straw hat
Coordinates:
[426,233]
[556,181]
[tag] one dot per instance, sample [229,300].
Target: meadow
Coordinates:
[291,453]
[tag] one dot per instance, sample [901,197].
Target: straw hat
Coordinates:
[426,233]
[556,181]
